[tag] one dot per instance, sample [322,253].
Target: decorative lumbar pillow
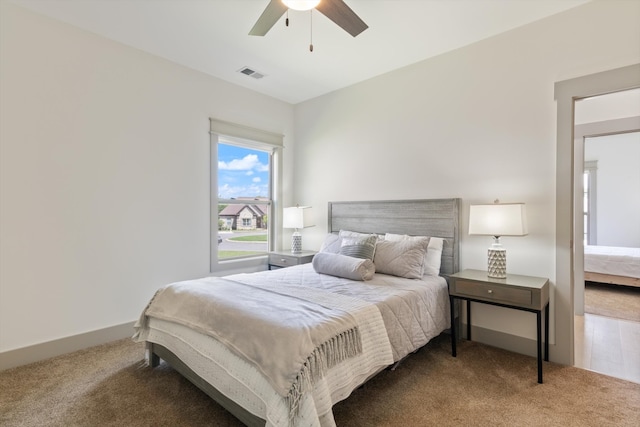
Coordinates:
[332,243]
[433,257]
[402,258]
[359,247]
[343,266]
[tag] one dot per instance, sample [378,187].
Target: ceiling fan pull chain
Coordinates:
[287,20]
[311,30]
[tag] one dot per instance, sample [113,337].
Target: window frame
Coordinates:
[590,222]
[244,136]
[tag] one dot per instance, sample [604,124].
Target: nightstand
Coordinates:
[281,259]
[525,293]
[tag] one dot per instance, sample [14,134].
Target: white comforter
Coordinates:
[404,315]
[618,261]
[414,311]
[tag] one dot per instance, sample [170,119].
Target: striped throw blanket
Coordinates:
[291,334]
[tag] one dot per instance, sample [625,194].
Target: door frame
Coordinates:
[566,92]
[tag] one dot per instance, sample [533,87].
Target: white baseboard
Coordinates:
[38,352]
[514,343]
[35,353]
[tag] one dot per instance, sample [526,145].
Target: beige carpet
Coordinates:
[483,386]
[621,302]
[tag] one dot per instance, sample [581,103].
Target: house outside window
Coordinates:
[243,214]
[245,189]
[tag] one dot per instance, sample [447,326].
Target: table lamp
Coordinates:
[498,219]
[296,217]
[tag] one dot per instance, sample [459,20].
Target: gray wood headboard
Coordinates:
[429,217]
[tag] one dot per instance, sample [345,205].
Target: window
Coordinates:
[244,200]
[245,176]
[589,202]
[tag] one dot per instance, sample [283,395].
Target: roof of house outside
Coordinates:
[235,209]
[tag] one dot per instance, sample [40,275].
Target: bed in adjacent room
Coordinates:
[281,347]
[613,265]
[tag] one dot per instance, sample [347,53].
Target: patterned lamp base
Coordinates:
[497,263]
[296,243]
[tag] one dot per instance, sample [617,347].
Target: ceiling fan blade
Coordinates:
[274,10]
[343,16]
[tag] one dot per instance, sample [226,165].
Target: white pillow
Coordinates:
[402,258]
[343,266]
[433,258]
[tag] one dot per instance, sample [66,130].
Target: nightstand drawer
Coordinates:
[281,260]
[490,292]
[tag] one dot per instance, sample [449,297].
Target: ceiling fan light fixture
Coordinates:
[301,4]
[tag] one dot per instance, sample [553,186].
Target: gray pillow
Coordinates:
[433,258]
[402,258]
[343,266]
[332,243]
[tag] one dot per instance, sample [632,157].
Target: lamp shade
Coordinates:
[297,217]
[503,219]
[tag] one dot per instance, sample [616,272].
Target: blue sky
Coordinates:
[242,172]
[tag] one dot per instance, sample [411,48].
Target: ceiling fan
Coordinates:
[336,10]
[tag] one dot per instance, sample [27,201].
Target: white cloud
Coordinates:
[247,163]
[227,191]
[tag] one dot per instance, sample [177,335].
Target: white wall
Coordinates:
[104,175]
[610,106]
[618,188]
[478,123]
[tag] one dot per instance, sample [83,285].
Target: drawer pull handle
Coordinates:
[283,260]
[490,291]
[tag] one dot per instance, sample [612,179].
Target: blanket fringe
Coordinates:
[141,324]
[325,356]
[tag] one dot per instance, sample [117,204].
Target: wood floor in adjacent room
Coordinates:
[608,345]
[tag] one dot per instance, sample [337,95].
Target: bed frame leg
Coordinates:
[154,359]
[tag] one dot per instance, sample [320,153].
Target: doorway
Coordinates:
[607,148]
[566,93]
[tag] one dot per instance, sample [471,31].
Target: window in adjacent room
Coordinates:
[245,176]
[589,202]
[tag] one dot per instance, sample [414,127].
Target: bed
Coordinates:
[613,265]
[386,317]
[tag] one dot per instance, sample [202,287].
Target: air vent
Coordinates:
[251,73]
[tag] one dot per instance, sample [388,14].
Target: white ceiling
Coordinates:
[212,36]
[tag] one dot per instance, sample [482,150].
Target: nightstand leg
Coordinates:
[468,320]
[546,333]
[539,318]
[453,326]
